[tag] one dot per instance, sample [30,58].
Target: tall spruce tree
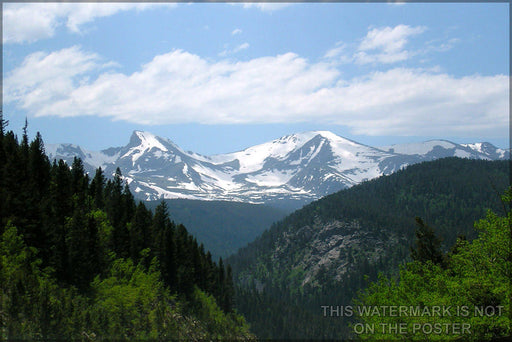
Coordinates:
[140,231]
[116,213]
[97,188]
[428,245]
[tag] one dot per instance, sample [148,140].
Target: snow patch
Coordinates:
[148,141]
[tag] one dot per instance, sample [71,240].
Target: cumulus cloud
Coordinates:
[180,87]
[29,22]
[385,45]
[236,31]
[49,77]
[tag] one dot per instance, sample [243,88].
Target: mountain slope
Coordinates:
[223,227]
[295,169]
[319,255]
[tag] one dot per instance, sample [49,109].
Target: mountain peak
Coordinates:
[297,167]
[147,140]
[141,142]
[336,138]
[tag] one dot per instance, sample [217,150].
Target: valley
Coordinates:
[277,268]
[256,171]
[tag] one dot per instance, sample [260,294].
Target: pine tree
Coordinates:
[140,231]
[220,282]
[185,271]
[128,203]
[83,248]
[115,212]
[39,167]
[57,209]
[229,291]
[97,188]
[36,185]
[428,245]
[79,179]
[165,245]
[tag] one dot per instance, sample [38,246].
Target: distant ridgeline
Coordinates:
[79,259]
[286,173]
[327,251]
[223,227]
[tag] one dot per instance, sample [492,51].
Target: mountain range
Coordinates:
[296,168]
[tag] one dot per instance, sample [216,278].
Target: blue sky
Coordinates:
[220,77]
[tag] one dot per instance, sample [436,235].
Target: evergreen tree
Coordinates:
[79,180]
[184,267]
[57,209]
[97,188]
[115,211]
[428,245]
[39,167]
[140,231]
[72,225]
[83,247]
[128,203]
[220,282]
[229,291]
[165,245]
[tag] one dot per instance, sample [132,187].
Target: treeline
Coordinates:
[79,257]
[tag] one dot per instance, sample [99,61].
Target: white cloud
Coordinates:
[239,48]
[29,22]
[236,31]
[339,54]
[440,46]
[386,45]
[46,78]
[180,87]
[266,6]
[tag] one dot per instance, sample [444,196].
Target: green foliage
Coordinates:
[32,305]
[128,303]
[80,260]
[475,285]
[450,194]
[219,324]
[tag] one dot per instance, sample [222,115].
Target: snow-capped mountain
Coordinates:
[299,167]
[434,149]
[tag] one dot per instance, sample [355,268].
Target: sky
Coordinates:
[220,77]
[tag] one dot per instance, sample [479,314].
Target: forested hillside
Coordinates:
[326,252]
[222,226]
[471,283]
[79,259]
